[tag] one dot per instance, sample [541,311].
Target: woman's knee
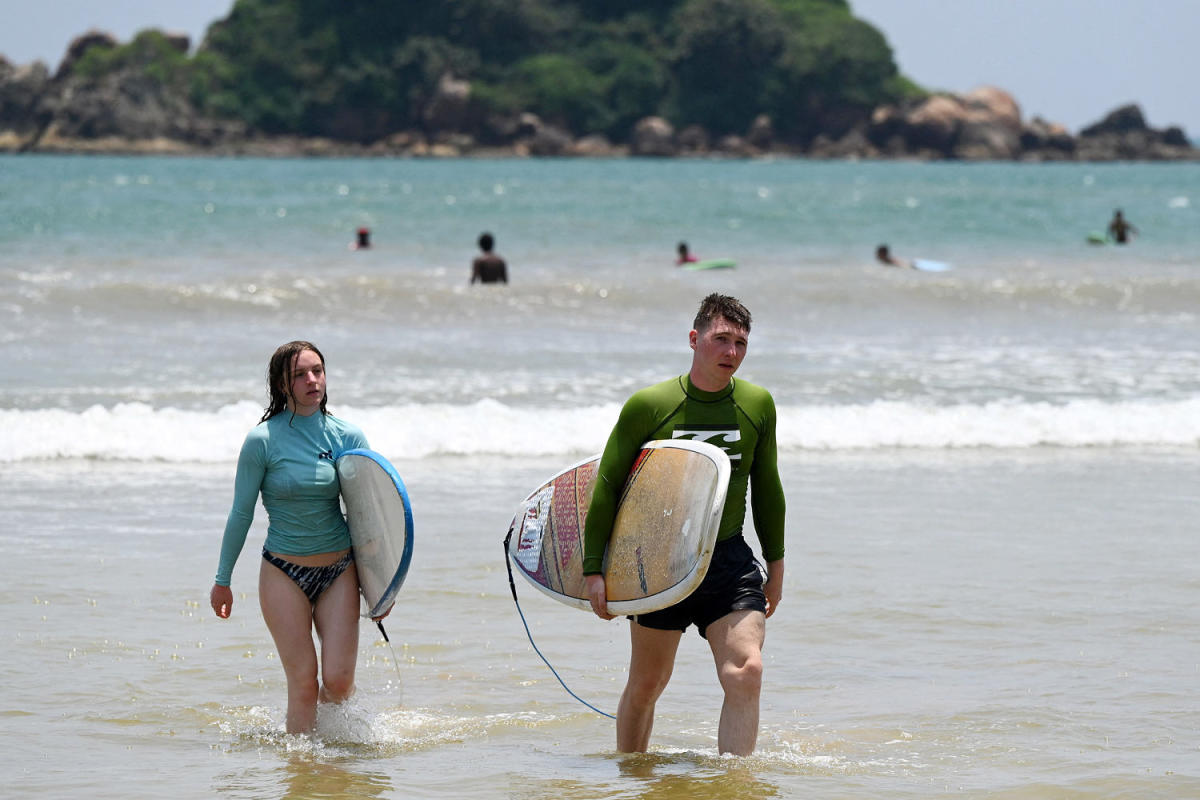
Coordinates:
[338,686]
[304,689]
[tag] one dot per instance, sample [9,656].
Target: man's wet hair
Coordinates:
[721,305]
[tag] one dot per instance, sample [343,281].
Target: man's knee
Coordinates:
[646,686]
[743,678]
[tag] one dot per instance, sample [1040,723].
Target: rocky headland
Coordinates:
[128,111]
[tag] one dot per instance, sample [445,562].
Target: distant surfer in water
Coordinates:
[884,256]
[685,257]
[488,267]
[731,605]
[362,240]
[1120,230]
[307,577]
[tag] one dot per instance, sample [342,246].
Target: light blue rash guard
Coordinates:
[290,460]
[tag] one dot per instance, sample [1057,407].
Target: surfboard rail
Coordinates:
[709,263]
[380,518]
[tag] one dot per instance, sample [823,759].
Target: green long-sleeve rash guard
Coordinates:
[739,419]
[290,459]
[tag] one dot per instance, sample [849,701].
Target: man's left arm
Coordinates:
[769,506]
[773,588]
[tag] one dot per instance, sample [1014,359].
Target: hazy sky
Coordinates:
[1070,61]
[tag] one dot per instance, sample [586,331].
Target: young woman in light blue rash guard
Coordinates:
[307,577]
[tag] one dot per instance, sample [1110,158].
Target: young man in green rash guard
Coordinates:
[731,605]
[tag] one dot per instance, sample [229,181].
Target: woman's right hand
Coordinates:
[221,598]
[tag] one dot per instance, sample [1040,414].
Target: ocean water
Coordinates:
[991,588]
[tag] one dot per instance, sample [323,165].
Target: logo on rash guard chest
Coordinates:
[722,436]
[325,454]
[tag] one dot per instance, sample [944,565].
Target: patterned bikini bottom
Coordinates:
[311,580]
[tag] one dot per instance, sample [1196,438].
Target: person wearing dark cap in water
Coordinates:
[488,267]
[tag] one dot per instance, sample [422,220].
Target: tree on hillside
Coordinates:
[724,47]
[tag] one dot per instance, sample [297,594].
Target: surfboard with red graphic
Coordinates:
[663,536]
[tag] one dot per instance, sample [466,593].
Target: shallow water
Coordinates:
[964,624]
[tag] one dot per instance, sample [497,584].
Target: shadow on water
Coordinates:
[310,779]
[303,776]
[690,775]
[683,775]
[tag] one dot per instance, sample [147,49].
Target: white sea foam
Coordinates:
[139,432]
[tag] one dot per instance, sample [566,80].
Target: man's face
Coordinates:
[718,352]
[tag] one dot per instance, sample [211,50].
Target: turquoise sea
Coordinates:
[991,585]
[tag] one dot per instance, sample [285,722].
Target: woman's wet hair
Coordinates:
[279,376]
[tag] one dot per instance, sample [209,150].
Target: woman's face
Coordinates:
[306,383]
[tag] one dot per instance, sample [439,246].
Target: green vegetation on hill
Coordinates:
[361,69]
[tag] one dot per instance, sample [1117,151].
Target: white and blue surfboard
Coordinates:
[381,525]
[929,265]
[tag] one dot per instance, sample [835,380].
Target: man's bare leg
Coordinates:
[651,659]
[736,640]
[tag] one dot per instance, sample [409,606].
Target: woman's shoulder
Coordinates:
[347,430]
[260,432]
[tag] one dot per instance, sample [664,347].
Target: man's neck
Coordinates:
[700,384]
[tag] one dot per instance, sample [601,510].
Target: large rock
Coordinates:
[449,108]
[549,140]
[1046,141]
[128,110]
[934,124]
[1122,120]
[653,136]
[992,127]
[994,105]
[761,134]
[22,115]
[179,41]
[693,140]
[1124,135]
[595,145]
[531,135]
[80,45]
[124,104]
[854,145]
[984,124]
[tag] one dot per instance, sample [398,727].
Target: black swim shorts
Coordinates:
[734,582]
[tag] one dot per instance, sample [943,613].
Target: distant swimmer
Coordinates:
[685,257]
[1120,230]
[363,242]
[488,267]
[884,256]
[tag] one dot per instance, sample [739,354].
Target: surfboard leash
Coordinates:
[512,585]
[395,661]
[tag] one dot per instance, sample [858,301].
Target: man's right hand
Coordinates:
[597,596]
